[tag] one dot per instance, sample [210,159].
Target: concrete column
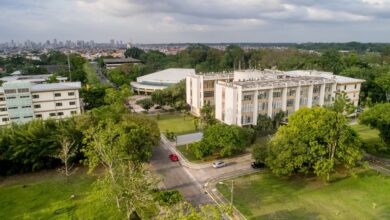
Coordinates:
[322,94]
[255,107]
[297,98]
[284,99]
[270,100]
[310,97]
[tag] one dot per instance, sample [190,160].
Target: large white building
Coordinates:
[160,80]
[21,101]
[240,99]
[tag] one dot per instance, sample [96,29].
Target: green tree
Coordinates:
[331,61]
[134,52]
[378,117]
[207,115]
[315,141]
[146,103]
[278,118]
[343,104]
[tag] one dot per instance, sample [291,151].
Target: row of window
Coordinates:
[13,91]
[57,94]
[52,114]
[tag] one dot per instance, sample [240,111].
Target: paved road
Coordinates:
[189,138]
[101,76]
[178,177]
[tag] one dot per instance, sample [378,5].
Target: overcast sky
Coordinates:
[165,21]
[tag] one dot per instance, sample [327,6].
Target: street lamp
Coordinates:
[231,192]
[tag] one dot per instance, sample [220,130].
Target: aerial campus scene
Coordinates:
[194,110]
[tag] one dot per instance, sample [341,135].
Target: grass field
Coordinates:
[265,196]
[92,78]
[371,138]
[176,123]
[47,195]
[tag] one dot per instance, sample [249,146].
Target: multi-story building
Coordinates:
[21,101]
[242,98]
[200,89]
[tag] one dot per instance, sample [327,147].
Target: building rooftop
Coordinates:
[121,60]
[328,75]
[165,77]
[55,86]
[31,78]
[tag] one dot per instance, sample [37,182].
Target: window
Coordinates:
[60,113]
[277,93]
[70,93]
[24,96]
[328,88]
[355,86]
[52,114]
[58,104]
[277,104]
[72,103]
[38,116]
[57,94]
[14,118]
[5,119]
[290,102]
[262,95]
[247,107]
[11,97]
[345,87]
[3,109]
[9,91]
[262,106]
[208,94]
[73,112]
[23,90]
[246,119]
[37,106]
[28,116]
[14,107]
[316,89]
[26,106]
[35,96]
[247,97]
[291,92]
[2,99]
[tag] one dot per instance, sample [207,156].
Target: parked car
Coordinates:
[173,157]
[257,165]
[218,164]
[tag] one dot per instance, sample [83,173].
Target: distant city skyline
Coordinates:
[202,21]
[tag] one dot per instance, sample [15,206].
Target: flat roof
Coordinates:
[137,85]
[120,60]
[328,75]
[55,86]
[31,78]
[166,77]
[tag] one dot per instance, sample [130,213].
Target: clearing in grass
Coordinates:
[177,123]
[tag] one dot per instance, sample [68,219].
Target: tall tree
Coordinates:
[315,140]
[134,52]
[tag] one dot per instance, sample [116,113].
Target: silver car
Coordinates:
[218,164]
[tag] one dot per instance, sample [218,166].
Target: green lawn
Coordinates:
[47,195]
[176,123]
[92,78]
[371,138]
[265,196]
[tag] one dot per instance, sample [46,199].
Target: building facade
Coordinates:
[22,101]
[240,99]
[200,89]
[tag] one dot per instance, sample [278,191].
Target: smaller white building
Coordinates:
[160,80]
[22,101]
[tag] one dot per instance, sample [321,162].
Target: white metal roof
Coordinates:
[168,76]
[56,86]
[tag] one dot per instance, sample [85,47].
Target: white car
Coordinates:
[218,164]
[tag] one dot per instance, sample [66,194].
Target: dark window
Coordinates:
[26,106]
[9,91]
[23,90]
[247,97]
[72,103]
[3,109]
[208,94]
[24,96]
[11,97]
[73,112]
[70,93]
[60,113]
[57,94]
[37,106]
[14,107]
[2,99]
[38,116]
[5,119]
[14,118]
[35,96]
[345,87]
[355,86]
[52,114]
[59,104]
[27,116]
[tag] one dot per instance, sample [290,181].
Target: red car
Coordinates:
[173,157]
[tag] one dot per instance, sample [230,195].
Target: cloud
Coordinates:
[192,21]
